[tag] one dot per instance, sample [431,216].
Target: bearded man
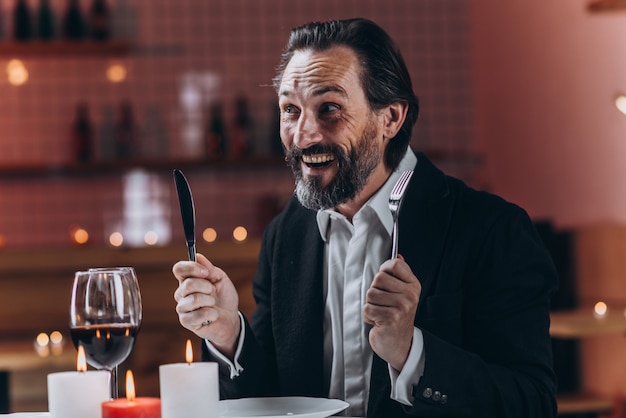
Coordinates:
[455,326]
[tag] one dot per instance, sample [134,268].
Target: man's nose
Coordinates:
[307,131]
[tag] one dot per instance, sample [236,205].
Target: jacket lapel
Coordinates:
[299,305]
[424,222]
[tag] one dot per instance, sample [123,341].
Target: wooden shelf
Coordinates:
[582,323]
[583,403]
[607,6]
[44,170]
[64,48]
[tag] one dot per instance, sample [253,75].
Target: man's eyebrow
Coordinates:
[329,89]
[318,91]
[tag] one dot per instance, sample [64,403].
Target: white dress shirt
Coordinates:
[354,252]
[353,255]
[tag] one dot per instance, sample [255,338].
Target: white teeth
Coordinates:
[317,159]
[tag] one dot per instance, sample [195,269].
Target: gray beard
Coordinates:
[352,175]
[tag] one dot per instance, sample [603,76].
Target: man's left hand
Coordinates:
[390,306]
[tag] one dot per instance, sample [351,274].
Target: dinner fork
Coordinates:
[395,200]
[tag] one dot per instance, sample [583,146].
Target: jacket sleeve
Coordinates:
[258,377]
[501,365]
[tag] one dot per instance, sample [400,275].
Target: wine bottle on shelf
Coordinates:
[125,132]
[74,27]
[106,134]
[45,20]
[154,141]
[215,134]
[240,134]
[82,133]
[99,20]
[22,22]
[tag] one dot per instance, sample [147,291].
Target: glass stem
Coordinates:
[114,387]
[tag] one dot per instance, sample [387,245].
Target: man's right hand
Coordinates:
[205,293]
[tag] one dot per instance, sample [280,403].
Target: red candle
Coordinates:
[132,407]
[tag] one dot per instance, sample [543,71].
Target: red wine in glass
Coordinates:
[107,345]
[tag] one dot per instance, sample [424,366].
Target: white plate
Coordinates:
[300,407]
[29,414]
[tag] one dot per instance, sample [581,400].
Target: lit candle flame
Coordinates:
[81,360]
[188,352]
[130,386]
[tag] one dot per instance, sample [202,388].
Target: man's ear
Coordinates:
[394,116]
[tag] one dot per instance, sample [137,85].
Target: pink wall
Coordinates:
[546,74]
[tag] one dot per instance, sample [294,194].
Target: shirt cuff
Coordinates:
[402,383]
[234,366]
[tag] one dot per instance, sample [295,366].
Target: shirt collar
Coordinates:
[379,202]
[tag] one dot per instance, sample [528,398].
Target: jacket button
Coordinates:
[444,399]
[436,396]
[428,392]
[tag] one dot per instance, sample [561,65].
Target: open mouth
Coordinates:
[318,160]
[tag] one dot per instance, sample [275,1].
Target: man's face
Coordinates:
[330,134]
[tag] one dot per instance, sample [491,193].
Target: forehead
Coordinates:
[334,69]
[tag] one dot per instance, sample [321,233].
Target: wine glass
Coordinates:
[105,316]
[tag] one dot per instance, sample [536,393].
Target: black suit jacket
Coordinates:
[486,282]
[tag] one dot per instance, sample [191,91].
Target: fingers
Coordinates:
[382,306]
[199,318]
[185,269]
[203,269]
[195,292]
[399,269]
[196,303]
[390,306]
[395,277]
[393,295]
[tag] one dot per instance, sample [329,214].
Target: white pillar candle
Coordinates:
[78,394]
[189,390]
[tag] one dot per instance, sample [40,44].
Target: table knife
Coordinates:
[187,212]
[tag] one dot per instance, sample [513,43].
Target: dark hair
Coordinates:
[384,76]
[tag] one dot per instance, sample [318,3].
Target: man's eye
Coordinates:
[290,109]
[329,107]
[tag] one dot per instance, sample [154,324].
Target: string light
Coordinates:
[79,235]
[116,239]
[42,345]
[240,233]
[17,73]
[209,235]
[151,238]
[116,73]
[600,309]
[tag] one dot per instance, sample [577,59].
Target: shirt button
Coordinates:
[436,396]
[428,392]
[444,399]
